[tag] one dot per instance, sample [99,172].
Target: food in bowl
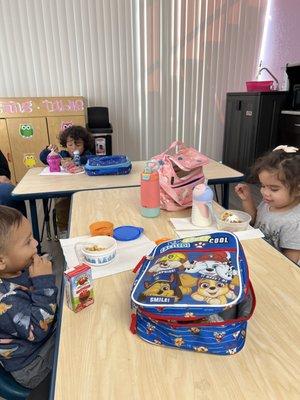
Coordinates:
[229,216]
[94,247]
[233,221]
[97,251]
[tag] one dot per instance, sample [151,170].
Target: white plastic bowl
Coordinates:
[101,257]
[234,226]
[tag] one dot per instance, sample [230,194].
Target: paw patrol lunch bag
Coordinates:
[194,294]
[108,165]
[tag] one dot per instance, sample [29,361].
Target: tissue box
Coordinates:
[79,287]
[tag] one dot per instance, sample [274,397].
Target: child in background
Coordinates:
[72,138]
[27,302]
[278,215]
[6,187]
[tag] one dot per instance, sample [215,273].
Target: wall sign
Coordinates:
[66,124]
[29,160]
[37,106]
[26,131]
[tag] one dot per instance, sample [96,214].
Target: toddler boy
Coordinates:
[27,302]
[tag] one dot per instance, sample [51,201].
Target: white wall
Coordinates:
[163,67]
[282,40]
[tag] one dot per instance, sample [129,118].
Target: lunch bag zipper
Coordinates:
[184,183]
[173,322]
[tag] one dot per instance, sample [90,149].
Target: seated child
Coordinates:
[6,187]
[72,138]
[27,302]
[278,215]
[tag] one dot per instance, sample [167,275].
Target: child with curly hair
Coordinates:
[72,138]
[278,214]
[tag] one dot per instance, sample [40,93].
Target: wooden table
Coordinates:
[99,358]
[34,186]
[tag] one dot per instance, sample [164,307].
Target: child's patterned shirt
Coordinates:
[27,312]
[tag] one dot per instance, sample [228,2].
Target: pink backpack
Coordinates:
[180,171]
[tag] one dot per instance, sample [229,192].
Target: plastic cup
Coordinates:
[54,163]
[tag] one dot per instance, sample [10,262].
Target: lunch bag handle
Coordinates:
[176,143]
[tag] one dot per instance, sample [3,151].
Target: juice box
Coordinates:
[79,287]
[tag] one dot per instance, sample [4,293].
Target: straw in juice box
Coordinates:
[79,287]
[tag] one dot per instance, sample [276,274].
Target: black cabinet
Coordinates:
[251,126]
[290,128]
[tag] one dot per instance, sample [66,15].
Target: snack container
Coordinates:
[243,224]
[96,258]
[79,287]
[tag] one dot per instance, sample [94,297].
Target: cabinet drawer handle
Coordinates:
[296,124]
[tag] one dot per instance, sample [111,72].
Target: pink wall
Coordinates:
[282,38]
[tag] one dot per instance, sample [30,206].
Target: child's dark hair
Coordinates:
[9,218]
[285,165]
[76,132]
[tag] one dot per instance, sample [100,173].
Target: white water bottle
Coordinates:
[76,157]
[202,205]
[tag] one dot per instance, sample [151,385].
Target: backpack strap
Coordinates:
[176,143]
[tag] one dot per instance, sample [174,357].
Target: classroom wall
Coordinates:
[282,38]
[162,67]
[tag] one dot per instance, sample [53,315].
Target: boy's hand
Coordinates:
[4,179]
[243,191]
[53,147]
[40,266]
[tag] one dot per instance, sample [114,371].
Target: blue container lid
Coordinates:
[127,232]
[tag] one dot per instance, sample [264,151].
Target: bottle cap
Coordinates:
[76,152]
[203,192]
[127,232]
[151,166]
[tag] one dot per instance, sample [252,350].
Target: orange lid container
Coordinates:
[100,228]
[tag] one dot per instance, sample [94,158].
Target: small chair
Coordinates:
[10,389]
[98,120]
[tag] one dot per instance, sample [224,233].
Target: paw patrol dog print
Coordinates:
[212,265]
[213,292]
[170,262]
[167,290]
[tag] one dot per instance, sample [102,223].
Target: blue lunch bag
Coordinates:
[108,165]
[194,294]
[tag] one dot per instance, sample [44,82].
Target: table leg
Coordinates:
[54,224]
[225,195]
[46,206]
[35,222]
